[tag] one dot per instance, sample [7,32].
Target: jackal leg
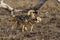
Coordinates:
[23,27]
[26,28]
[32,28]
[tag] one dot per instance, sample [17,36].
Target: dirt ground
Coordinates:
[48,29]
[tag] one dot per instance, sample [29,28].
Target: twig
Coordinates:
[6,6]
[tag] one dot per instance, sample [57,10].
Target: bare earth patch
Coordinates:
[48,29]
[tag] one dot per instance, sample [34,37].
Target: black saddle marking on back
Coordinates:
[23,17]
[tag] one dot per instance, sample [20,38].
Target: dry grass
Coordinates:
[48,29]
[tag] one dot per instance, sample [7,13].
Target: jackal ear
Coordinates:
[30,11]
[35,12]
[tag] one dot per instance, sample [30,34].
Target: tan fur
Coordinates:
[26,22]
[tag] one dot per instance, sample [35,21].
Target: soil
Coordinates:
[47,29]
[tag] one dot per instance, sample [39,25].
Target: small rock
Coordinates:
[42,39]
[58,0]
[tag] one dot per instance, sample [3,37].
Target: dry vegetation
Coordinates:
[48,29]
